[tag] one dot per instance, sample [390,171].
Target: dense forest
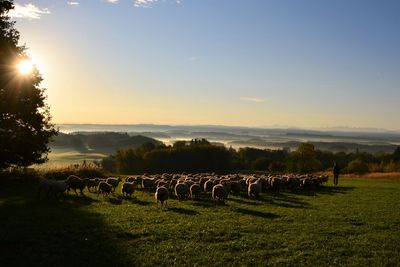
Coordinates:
[199,155]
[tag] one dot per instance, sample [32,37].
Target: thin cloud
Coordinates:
[150,3]
[253,99]
[73,3]
[144,3]
[28,11]
[113,1]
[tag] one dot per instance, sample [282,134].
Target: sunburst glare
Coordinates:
[25,66]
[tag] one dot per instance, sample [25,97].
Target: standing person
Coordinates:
[336,171]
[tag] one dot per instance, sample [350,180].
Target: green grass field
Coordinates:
[355,224]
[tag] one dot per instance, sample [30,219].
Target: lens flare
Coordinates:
[25,66]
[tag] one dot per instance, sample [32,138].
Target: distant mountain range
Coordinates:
[93,137]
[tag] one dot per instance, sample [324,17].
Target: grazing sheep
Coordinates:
[162,195]
[218,193]
[236,187]
[254,189]
[114,182]
[181,191]
[195,190]
[104,188]
[59,187]
[130,179]
[276,184]
[92,184]
[50,187]
[227,186]
[162,183]
[148,184]
[45,186]
[128,189]
[208,186]
[74,182]
[293,183]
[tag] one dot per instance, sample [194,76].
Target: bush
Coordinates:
[357,166]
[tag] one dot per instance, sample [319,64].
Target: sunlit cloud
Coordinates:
[113,1]
[29,11]
[73,3]
[253,99]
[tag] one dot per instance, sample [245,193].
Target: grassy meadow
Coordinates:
[355,224]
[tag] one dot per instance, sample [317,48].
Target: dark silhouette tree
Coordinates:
[25,126]
[306,159]
[396,154]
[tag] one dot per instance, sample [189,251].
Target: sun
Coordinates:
[25,66]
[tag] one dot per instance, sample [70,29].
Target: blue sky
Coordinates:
[233,62]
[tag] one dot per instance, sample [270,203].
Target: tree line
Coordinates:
[199,155]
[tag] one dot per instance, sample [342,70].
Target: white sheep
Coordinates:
[254,189]
[161,195]
[195,190]
[181,190]
[218,193]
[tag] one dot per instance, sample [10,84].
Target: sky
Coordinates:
[264,63]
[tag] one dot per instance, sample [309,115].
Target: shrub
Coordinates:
[357,166]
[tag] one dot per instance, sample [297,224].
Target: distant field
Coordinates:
[355,224]
[60,157]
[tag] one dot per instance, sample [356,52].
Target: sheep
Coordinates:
[276,184]
[162,195]
[92,183]
[104,188]
[128,189]
[227,186]
[254,189]
[208,186]
[114,182]
[74,182]
[293,183]
[162,183]
[181,191]
[236,187]
[195,190]
[45,186]
[148,184]
[54,187]
[130,179]
[59,187]
[218,193]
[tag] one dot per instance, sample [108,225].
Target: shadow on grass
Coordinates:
[183,211]
[80,200]
[201,202]
[323,190]
[55,232]
[137,201]
[115,200]
[284,200]
[261,214]
[244,201]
